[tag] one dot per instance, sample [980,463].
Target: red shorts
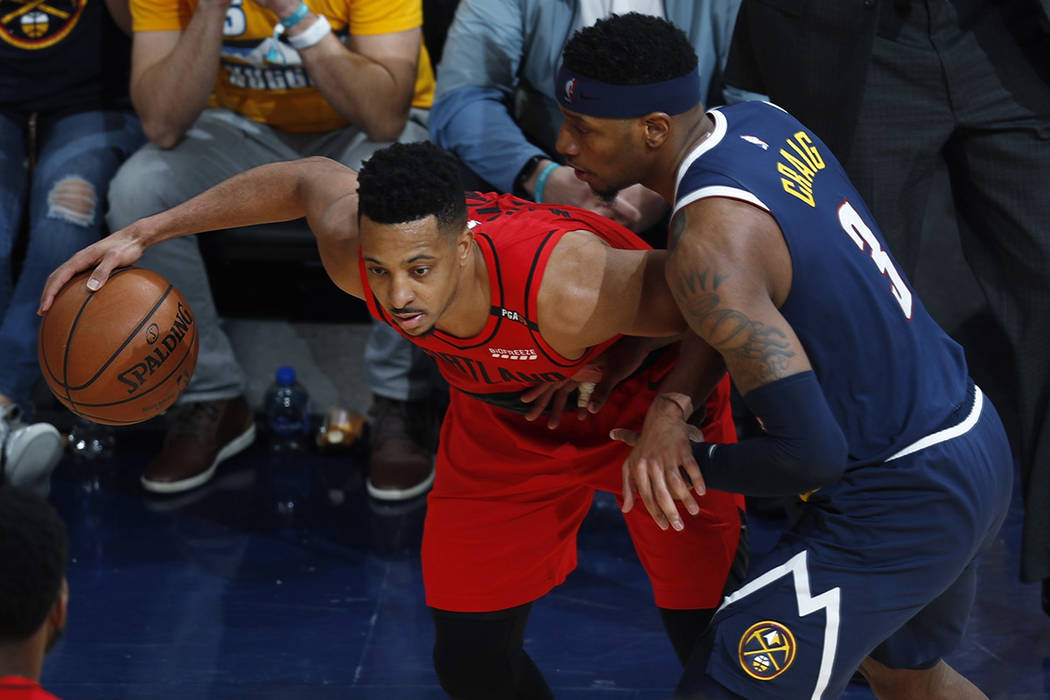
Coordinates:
[509,497]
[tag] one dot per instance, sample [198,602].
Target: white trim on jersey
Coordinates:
[828,601]
[948,433]
[719,191]
[716,136]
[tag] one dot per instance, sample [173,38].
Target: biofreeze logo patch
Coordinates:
[513,354]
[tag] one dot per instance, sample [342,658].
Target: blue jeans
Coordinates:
[61,200]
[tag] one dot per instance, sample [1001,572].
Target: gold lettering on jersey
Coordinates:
[799,167]
[283,78]
[236,22]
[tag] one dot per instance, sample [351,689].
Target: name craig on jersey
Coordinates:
[799,167]
[492,373]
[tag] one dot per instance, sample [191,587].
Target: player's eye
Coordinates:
[420,271]
[376,271]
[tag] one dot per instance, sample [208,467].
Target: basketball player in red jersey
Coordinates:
[506,295]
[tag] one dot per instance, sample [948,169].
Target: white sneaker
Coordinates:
[30,452]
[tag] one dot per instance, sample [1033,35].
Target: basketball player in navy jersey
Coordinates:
[866,404]
[506,295]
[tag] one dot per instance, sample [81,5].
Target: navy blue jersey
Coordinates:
[890,374]
[62,56]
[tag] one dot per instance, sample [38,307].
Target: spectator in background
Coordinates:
[225,86]
[33,593]
[494,105]
[66,124]
[900,89]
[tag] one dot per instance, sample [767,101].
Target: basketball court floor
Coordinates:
[282,579]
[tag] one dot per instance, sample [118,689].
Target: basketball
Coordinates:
[121,355]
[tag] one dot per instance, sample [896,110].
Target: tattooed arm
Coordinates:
[730,270]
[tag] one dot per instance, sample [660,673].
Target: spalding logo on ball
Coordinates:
[123,354]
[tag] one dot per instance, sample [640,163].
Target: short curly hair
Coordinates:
[410,181]
[33,551]
[630,49]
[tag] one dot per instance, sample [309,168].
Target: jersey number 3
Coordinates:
[862,235]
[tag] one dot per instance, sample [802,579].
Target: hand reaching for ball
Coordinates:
[119,249]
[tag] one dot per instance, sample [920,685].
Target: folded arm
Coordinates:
[173,72]
[371,81]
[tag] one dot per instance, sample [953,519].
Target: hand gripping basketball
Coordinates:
[120,355]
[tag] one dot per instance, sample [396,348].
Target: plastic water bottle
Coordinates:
[287,407]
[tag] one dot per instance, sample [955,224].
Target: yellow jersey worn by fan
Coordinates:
[262,77]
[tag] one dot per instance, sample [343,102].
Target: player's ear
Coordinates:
[57,616]
[656,127]
[464,244]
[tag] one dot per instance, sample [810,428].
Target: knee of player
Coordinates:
[74,200]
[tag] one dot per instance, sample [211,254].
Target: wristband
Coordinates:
[541,181]
[312,35]
[293,19]
[518,186]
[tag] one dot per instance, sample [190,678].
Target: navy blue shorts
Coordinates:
[881,565]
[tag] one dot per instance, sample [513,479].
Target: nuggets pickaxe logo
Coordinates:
[37,24]
[767,649]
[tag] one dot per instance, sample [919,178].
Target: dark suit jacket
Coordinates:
[811,56]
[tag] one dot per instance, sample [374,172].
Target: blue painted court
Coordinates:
[281,579]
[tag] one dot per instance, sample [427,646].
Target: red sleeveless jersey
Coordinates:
[510,494]
[516,237]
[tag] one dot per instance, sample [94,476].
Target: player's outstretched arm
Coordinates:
[320,189]
[592,292]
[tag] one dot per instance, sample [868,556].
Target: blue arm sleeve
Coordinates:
[802,446]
